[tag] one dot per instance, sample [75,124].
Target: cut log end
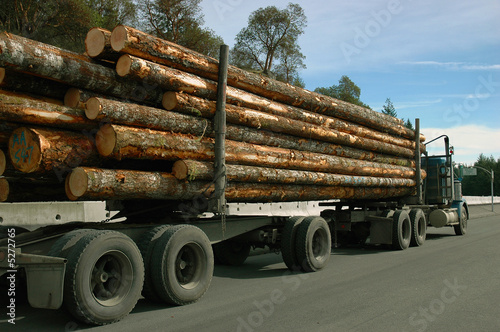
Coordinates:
[105,140]
[4,190]
[67,190]
[25,150]
[118,38]
[2,75]
[95,42]
[3,162]
[180,170]
[123,65]
[169,100]
[72,97]
[77,184]
[92,108]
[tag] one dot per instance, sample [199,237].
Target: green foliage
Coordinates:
[389,109]
[180,21]
[272,37]
[480,184]
[63,23]
[346,90]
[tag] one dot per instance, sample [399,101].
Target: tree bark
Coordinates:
[156,119]
[19,82]
[3,162]
[133,143]
[128,40]
[24,109]
[185,103]
[102,184]
[192,170]
[42,151]
[98,45]
[70,68]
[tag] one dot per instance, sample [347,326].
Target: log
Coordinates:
[42,150]
[19,82]
[192,170]
[98,45]
[152,118]
[74,69]
[22,190]
[77,98]
[121,142]
[129,40]
[193,105]
[24,109]
[3,162]
[172,79]
[101,184]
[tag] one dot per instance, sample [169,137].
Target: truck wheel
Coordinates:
[401,230]
[418,227]
[461,228]
[288,248]
[63,245]
[146,246]
[182,264]
[104,277]
[313,244]
[231,252]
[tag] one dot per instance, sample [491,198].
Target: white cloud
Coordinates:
[469,141]
[453,65]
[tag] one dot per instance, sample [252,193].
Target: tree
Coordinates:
[110,13]
[480,184]
[180,21]
[346,90]
[272,36]
[389,109]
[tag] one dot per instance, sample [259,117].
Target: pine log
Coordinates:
[172,79]
[121,142]
[24,109]
[152,118]
[102,184]
[129,40]
[3,162]
[192,170]
[78,70]
[22,190]
[19,82]
[188,104]
[98,45]
[42,150]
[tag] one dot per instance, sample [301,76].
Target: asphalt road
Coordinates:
[450,283]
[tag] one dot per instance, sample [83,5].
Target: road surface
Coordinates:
[450,283]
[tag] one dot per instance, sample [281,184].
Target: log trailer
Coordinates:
[165,250]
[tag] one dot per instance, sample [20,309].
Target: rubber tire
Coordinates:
[288,248]
[313,244]
[461,229]
[63,245]
[401,230]
[188,242]
[146,246]
[231,252]
[103,249]
[418,227]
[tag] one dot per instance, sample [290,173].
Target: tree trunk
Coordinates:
[43,151]
[126,142]
[24,109]
[19,82]
[98,45]
[70,68]
[128,40]
[185,103]
[198,170]
[152,118]
[102,184]
[29,190]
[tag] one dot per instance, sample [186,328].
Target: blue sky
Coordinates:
[437,60]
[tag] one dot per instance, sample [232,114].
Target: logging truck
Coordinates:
[277,167]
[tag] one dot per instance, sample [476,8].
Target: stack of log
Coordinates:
[133,119]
